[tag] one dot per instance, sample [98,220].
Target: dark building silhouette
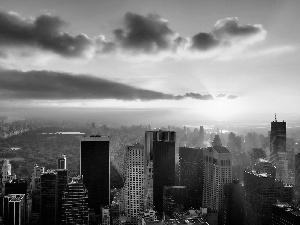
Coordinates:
[18,186]
[278,154]
[48,198]
[174,200]
[75,203]
[261,192]
[14,209]
[297,178]
[285,214]
[191,175]
[163,166]
[233,204]
[95,169]
[60,187]
[62,162]
[277,137]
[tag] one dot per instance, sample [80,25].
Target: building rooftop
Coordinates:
[221,149]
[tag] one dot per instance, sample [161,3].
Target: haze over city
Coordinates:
[179,62]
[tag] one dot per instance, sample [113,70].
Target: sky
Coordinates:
[136,61]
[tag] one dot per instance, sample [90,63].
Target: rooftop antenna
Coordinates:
[275,118]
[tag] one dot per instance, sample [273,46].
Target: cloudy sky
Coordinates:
[173,60]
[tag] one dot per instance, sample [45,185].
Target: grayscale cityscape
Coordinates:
[138,112]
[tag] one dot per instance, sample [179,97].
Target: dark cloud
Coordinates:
[230,27]
[199,96]
[54,85]
[225,33]
[43,32]
[49,85]
[221,95]
[145,33]
[232,96]
[204,41]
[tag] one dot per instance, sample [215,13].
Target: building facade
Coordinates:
[75,208]
[191,175]
[134,182]
[216,173]
[163,166]
[95,169]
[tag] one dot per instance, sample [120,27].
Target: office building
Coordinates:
[217,172]
[6,174]
[62,162]
[191,175]
[297,179]
[174,200]
[278,153]
[233,203]
[48,198]
[264,166]
[60,187]
[35,183]
[75,203]
[163,165]
[14,209]
[285,214]
[134,182]
[261,192]
[95,169]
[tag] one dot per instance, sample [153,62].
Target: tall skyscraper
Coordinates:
[62,162]
[134,182]
[167,142]
[278,153]
[14,209]
[217,172]
[19,187]
[95,169]
[191,175]
[163,168]
[48,199]
[75,203]
[60,187]
[261,192]
[233,204]
[6,174]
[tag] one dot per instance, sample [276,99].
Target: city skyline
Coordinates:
[185,61]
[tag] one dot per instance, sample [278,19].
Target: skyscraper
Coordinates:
[297,178]
[48,200]
[62,162]
[191,175]
[75,203]
[217,172]
[134,182]
[278,154]
[95,169]
[14,209]
[261,192]
[60,187]
[233,204]
[163,166]
[150,137]
[6,174]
